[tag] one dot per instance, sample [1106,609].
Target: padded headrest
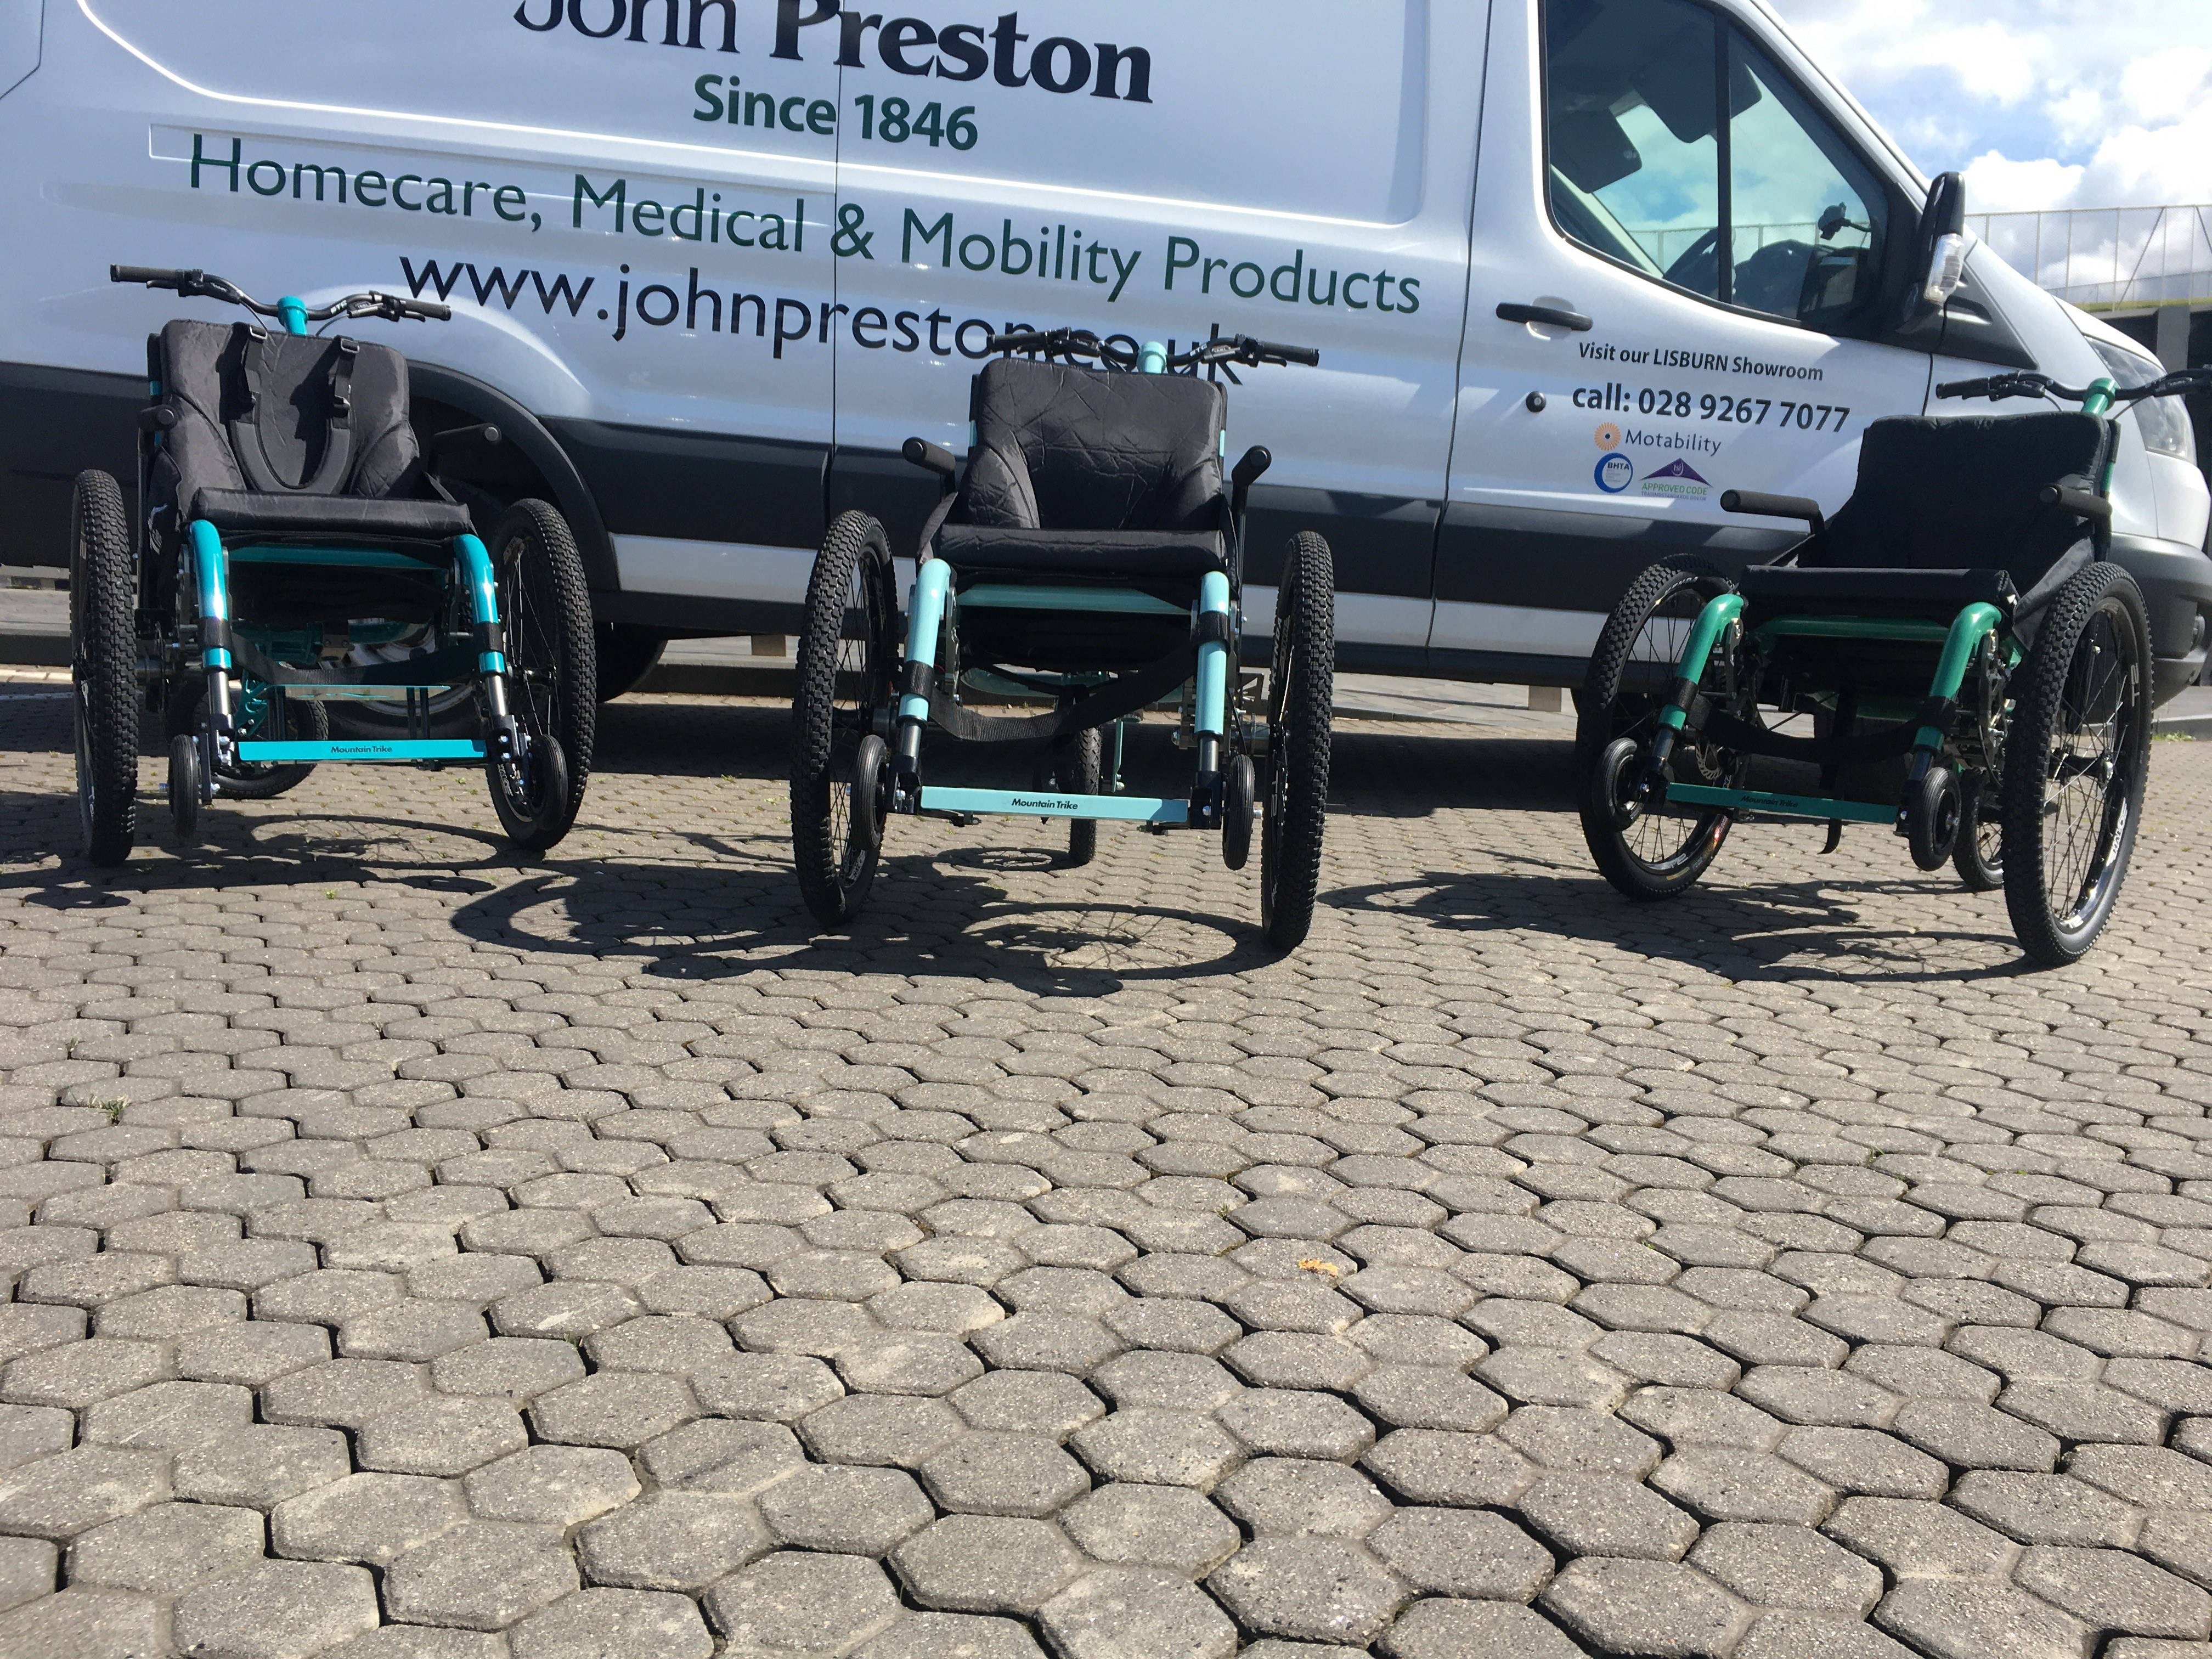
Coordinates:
[1061,448]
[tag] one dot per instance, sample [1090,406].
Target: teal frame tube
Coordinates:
[1965,638]
[294,311]
[1153,359]
[1212,659]
[1792,806]
[483,595]
[932,583]
[1720,610]
[211,574]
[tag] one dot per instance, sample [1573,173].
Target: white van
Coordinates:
[711,261]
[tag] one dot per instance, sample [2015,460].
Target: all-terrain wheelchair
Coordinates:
[1089,556]
[288,530]
[1958,617]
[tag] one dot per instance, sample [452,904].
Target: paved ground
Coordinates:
[418,1257]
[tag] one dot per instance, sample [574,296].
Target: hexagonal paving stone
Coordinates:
[810,1603]
[485,1575]
[986,1564]
[1135,1614]
[828,1506]
[614,1621]
[553,1485]
[1003,1475]
[1296,1495]
[671,1540]
[1785,1566]
[167,1549]
[444,1437]
[1312,1589]
[1646,1607]
[1177,1449]
[622,1409]
[1168,1526]
[1451,1553]
[275,1610]
[880,1429]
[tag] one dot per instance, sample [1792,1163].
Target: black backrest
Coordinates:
[208,374]
[1059,447]
[1961,494]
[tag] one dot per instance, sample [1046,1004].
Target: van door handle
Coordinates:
[1573,321]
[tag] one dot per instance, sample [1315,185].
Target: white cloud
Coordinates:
[2045,103]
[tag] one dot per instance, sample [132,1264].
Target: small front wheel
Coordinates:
[103,669]
[1301,701]
[552,677]
[1650,852]
[1239,789]
[2077,759]
[185,784]
[845,656]
[1978,857]
[1081,770]
[1932,816]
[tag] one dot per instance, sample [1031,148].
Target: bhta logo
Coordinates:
[905,45]
[1615,473]
[1676,478]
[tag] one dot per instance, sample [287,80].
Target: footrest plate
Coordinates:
[1051,804]
[367,748]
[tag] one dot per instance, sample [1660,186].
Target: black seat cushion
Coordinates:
[1935,595]
[980,551]
[207,374]
[353,518]
[1961,493]
[1061,447]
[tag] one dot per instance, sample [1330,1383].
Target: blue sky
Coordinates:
[2042,104]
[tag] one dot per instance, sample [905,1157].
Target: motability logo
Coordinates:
[1676,478]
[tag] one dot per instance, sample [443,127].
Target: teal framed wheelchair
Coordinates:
[1089,558]
[292,549]
[1956,620]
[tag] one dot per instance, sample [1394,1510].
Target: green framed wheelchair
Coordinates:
[1088,557]
[1957,615]
[288,529]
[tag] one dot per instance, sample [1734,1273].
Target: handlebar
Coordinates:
[198,285]
[1222,350]
[2028,384]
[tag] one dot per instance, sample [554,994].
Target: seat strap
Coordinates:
[247,442]
[452,665]
[934,523]
[1124,695]
[1742,736]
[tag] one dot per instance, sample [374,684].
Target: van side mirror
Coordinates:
[1940,250]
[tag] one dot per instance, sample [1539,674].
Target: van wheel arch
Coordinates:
[537,446]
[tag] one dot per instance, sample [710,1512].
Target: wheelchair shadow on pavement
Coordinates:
[931,916]
[1783,931]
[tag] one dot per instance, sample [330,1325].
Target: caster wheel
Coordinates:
[1931,818]
[1240,785]
[185,784]
[871,777]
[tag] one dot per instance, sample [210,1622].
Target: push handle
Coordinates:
[2085,503]
[1552,316]
[934,457]
[1306,356]
[1774,506]
[1242,476]
[1966,388]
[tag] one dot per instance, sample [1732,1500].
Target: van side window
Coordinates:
[1642,168]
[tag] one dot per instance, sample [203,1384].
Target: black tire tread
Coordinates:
[1616,642]
[539,524]
[1086,775]
[2042,684]
[105,663]
[813,738]
[1305,622]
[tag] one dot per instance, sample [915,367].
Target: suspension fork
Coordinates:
[933,585]
[488,631]
[1721,613]
[211,581]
